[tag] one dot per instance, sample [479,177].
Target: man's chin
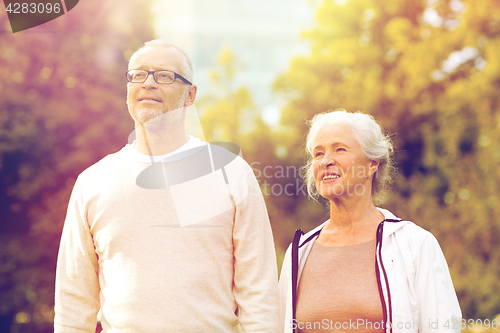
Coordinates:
[146,115]
[151,116]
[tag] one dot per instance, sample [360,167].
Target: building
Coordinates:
[264,35]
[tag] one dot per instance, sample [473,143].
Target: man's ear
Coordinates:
[191,95]
[373,168]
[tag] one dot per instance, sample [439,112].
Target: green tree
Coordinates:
[62,108]
[229,114]
[428,71]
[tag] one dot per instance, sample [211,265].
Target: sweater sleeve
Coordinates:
[255,272]
[438,304]
[77,284]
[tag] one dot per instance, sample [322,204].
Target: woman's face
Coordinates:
[341,169]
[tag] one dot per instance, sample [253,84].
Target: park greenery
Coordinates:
[428,71]
[62,108]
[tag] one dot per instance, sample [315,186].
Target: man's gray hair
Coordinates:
[369,134]
[187,66]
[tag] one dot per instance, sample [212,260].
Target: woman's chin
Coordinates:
[333,191]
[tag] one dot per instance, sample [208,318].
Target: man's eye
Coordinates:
[138,75]
[165,76]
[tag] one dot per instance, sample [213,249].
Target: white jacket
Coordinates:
[412,274]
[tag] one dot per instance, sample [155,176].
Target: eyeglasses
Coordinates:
[161,77]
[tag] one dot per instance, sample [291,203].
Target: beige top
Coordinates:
[338,290]
[181,258]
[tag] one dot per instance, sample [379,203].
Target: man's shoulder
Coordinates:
[228,156]
[105,165]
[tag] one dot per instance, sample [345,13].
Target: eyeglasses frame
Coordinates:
[176,76]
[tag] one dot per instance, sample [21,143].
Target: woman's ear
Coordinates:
[373,168]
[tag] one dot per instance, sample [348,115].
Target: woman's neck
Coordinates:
[351,222]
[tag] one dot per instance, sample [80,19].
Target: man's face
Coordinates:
[149,99]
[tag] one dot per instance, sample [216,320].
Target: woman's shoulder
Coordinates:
[415,238]
[402,227]
[413,230]
[407,232]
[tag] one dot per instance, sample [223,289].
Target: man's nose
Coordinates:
[150,81]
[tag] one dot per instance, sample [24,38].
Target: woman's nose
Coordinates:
[327,160]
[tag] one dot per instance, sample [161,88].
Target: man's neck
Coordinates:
[160,136]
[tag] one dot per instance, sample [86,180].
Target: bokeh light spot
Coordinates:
[483,141]
[464,194]
[45,73]
[22,318]
[449,198]
[18,77]
[281,152]
[70,82]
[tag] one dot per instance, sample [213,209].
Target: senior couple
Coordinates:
[171,234]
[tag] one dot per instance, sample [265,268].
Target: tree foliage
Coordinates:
[62,108]
[428,71]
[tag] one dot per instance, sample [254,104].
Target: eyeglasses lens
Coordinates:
[141,76]
[137,76]
[165,77]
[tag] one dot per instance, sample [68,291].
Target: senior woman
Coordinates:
[364,269]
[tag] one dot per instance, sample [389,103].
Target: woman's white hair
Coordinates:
[376,145]
[187,66]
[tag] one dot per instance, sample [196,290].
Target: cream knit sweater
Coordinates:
[179,258]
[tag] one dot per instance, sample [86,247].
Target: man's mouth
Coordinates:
[149,99]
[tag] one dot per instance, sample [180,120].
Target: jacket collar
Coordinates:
[389,228]
[393,223]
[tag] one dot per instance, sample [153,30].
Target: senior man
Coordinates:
[170,234]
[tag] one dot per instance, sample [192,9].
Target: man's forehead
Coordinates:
[157,56]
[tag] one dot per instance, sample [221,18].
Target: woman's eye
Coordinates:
[318,154]
[341,149]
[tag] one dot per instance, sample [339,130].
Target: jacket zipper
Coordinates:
[378,254]
[386,309]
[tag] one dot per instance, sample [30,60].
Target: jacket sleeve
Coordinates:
[255,271]
[438,304]
[77,284]
[284,281]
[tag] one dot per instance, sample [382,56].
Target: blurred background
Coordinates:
[427,70]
